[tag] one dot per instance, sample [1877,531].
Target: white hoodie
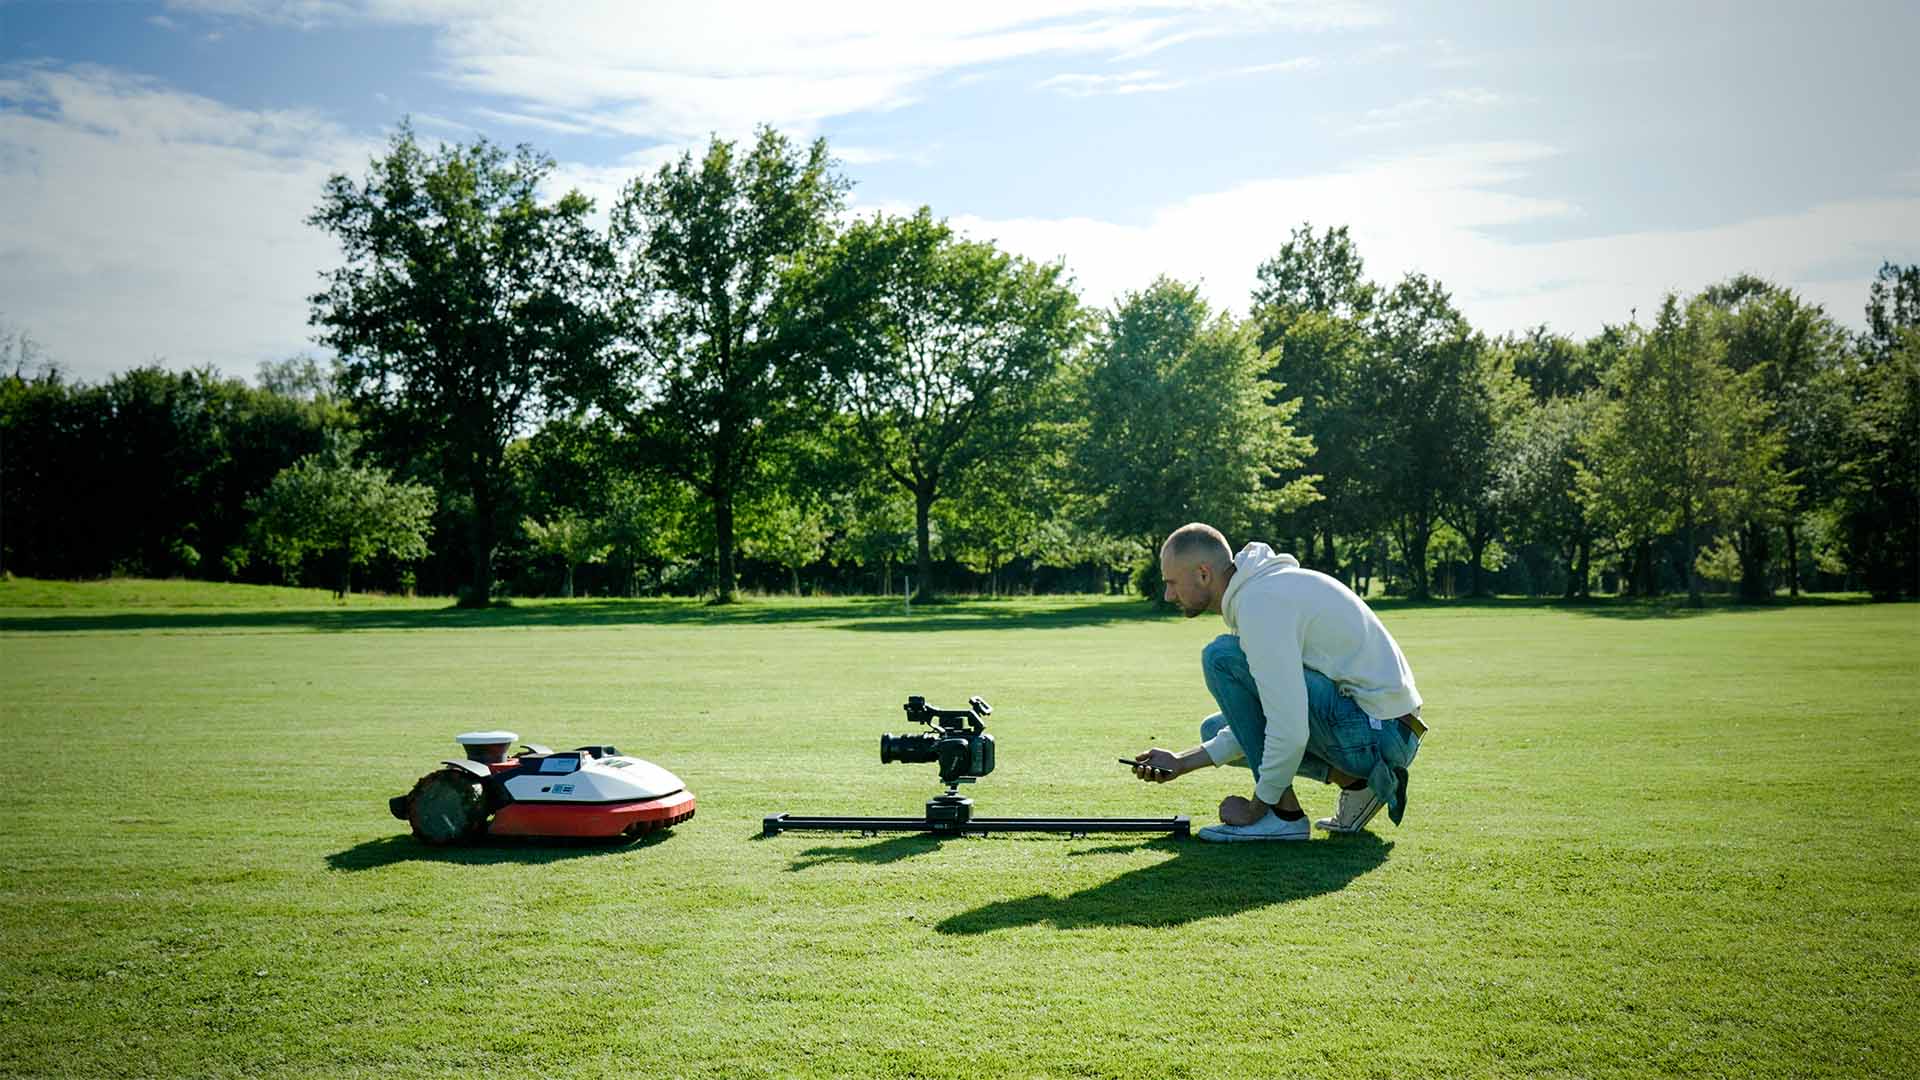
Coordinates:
[1290,619]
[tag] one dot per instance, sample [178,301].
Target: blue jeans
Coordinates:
[1340,734]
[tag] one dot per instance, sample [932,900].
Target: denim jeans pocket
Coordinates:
[1348,742]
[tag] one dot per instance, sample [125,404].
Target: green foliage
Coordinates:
[941,349]
[1310,310]
[1893,307]
[716,379]
[465,308]
[1429,415]
[147,473]
[1683,442]
[1879,482]
[1178,425]
[788,529]
[1538,478]
[571,538]
[1795,357]
[325,504]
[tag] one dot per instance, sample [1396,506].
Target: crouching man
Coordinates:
[1308,681]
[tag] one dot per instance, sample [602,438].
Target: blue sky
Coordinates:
[1550,163]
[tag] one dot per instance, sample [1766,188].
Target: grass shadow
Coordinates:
[388,850]
[1200,881]
[863,614]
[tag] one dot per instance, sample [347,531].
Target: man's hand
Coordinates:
[1157,766]
[1235,810]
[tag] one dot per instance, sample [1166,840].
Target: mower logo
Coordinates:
[563,789]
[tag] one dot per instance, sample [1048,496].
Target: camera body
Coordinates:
[957,740]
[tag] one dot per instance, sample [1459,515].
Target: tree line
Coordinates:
[732,380]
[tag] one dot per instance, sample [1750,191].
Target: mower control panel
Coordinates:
[560,764]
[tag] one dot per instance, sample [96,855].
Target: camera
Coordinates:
[958,740]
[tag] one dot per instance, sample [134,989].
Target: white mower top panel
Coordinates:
[582,778]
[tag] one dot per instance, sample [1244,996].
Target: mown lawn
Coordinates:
[1641,842]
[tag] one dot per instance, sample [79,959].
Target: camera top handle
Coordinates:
[973,715]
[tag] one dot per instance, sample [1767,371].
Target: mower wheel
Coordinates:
[446,807]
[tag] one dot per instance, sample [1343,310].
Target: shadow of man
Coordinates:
[1200,881]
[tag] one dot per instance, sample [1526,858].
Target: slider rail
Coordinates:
[775,824]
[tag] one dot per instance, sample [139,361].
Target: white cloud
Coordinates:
[665,69]
[539,123]
[1298,63]
[140,223]
[1425,109]
[1435,213]
[1132,82]
[1148,81]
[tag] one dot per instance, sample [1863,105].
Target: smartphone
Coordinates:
[1130,763]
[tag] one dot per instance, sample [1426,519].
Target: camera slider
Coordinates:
[952,815]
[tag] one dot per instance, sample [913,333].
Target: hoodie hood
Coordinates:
[1255,561]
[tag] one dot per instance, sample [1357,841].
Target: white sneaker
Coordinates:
[1271,827]
[1357,807]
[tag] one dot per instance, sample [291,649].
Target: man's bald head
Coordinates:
[1198,544]
[1196,564]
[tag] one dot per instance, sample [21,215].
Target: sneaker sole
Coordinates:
[1209,834]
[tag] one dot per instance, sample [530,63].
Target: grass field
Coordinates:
[1641,842]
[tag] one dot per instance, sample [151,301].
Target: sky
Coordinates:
[1556,164]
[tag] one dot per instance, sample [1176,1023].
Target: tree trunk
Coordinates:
[922,517]
[566,590]
[1793,559]
[1333,557]
[1693,555]
[796,580]
[1413,542]
[1755,555]
[724,585]
[481,536]
[1479,551]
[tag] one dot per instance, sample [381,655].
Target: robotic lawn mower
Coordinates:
[589,791]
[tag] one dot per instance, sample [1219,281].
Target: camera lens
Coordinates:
[908,748]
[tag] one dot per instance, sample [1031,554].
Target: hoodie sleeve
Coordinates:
[1270,636]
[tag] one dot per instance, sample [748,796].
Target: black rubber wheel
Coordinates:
[446,807]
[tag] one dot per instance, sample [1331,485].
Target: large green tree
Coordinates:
[326,504]
[1178,423]
[717,377]
[1309,309]
[1794,355]
[466,308]
[942,350]
[1682,443]
[1878,493]
[1422,391]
